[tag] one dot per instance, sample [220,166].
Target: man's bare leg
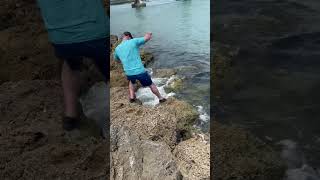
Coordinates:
[132,94]
[71,90]
[155,91]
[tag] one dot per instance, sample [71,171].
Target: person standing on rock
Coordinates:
[127,52]
[77,29]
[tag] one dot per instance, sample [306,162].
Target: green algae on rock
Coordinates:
[175,85]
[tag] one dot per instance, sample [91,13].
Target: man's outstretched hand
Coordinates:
[147,36]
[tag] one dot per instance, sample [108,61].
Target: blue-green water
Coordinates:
[181,40]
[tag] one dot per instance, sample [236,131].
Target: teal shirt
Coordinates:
[73,21]
[128,53]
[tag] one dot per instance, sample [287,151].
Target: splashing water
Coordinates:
[146,96]
[204,117]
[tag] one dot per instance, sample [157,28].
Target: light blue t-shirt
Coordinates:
[128,53]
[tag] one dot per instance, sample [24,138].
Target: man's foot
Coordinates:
[132,100]
[162,100]
[70,123]
[137,101]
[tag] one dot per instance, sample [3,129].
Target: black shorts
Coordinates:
[144,79]
[97,50]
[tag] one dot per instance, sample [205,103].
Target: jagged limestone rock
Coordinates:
[193,158]
[133,158]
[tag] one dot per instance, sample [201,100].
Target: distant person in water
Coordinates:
[77,29]
[128,53]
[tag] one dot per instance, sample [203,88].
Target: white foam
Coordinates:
[204,117]
[146,96]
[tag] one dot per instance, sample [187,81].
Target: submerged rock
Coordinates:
[185,69]
[174,85]
[164,73]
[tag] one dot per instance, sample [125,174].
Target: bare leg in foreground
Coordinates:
[71,90]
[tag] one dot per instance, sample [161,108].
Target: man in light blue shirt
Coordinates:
[128,53]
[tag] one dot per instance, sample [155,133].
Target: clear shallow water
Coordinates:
[181,40]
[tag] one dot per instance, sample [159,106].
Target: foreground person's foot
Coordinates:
[136,101]
[162,100]
[70,123]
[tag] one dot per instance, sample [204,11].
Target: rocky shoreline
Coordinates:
[235,153]
[154,142]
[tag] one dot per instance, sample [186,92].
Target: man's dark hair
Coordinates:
[128,34]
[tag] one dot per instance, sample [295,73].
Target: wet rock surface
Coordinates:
[164,73]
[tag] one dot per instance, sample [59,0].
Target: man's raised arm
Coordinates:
[147,36]
[142,40]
